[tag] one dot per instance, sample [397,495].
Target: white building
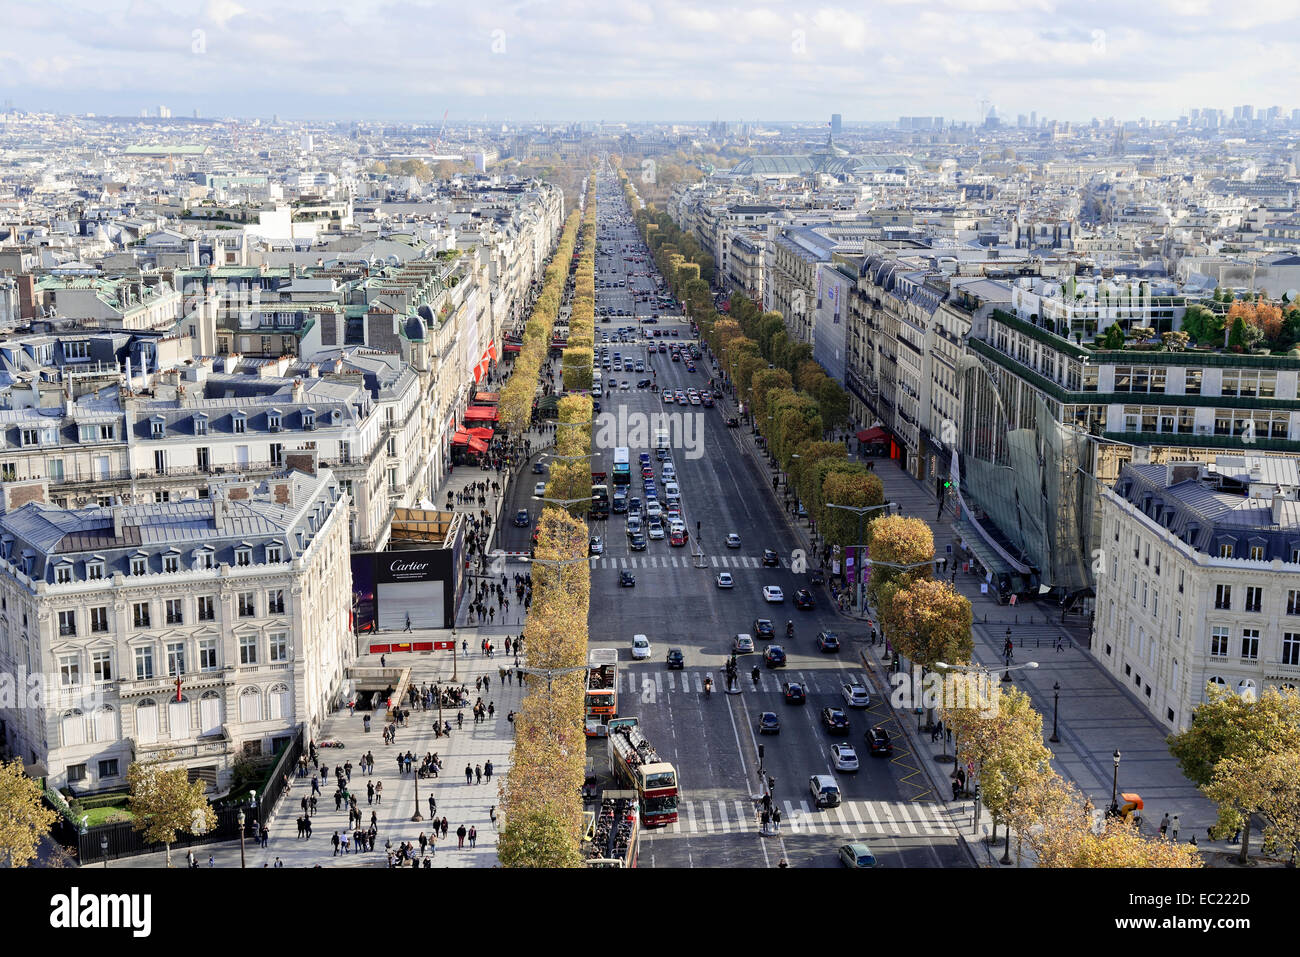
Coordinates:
[202,630]
[1201,581]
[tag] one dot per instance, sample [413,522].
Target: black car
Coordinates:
[638,542]
[803,598]
[521,518]
[763,628]
[878,738]
[626,578]
[539,468]
[769,723]
[835,720]
[794,693]
[676,659]
[643,383]
[828,641]
[816,576]
[774,656]
[732,422]
[769,558]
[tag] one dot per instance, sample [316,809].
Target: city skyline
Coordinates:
[650,62]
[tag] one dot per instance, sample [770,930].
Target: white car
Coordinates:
[640,647]
[539,490]
[844,757]
[733,540]
[669,472]
[656,529]
[725,580]
[653,509]
[773,594]
[856,695]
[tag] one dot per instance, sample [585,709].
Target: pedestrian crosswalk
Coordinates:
[850,819]
[679,559]
[691,681]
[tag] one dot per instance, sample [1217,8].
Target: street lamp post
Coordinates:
[417,816]
[1006,654]
[240,818]
[1113,810]
[103,849]
[1056,705]
[861,512]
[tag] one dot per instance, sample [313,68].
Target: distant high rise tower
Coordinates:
[1033,118]
[837,124]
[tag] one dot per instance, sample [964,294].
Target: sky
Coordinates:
[645,60]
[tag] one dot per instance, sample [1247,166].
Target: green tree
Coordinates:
[166,803]
[24,819]
[1113,337]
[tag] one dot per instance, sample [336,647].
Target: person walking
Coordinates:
[1164,824]
[445,827]
[473,836]
[478,774]
[370,792]
[336,842]
[460,836]
[379,792]
[469,774]
[487,770]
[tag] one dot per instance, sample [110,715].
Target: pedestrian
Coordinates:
[370,792]
[379,792]
[478,774]
[302,829]
[469,774]
[408,622]
[212,861]
[433,807]
[445,827]
[487,770]
[460,836]
[487,680]
[473,836]
[492,813]
[1164,824]
[264,836]
[478,683]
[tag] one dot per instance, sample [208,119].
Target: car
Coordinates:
[856,855]
[539,468]
[676,659]
[825,792]
[803,598]
[733,540]
[803,512]
[669,472]
[595,406]
[634,505]
[653,508]
[640,647]
[733,422]
[835,720]
[596,546]
[816,576]
[662,348]
[828,642]
[843,757]
[793,693]
[539,490]
[769,558]
[643,383]
[774,656]
[521,518]
[668,397]
[656,530]
[742,645]
[879,743]
[773,594]
[626,579]
[707,400]
[763,628]
[855,695]
[695,399]
[769,723]
[677,356]
[677,537]
[637,543]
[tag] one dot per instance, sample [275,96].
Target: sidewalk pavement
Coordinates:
[1097,715]
[460,803]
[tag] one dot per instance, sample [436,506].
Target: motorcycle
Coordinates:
[708,685]
[754,675]
[789,629]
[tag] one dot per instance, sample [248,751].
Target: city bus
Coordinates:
[601,695]
[622,468]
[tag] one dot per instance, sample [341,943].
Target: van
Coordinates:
[825,792]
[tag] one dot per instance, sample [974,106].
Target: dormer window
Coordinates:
[63,573]
[202,559]
[239,422]
[95,569]
[243,556]
[273,554]
[200,424]
[139,565]
[273,420]
[309,418]
[171,562]
[157,426]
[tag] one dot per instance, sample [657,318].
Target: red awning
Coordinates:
[481,413]
[484,433]
[460,438]
[514,346]
[477,445]
[873,435]
[490,398]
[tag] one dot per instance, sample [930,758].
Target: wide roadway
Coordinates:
[712,740]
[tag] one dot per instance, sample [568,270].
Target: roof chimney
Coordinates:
[118,513]
[218,509]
